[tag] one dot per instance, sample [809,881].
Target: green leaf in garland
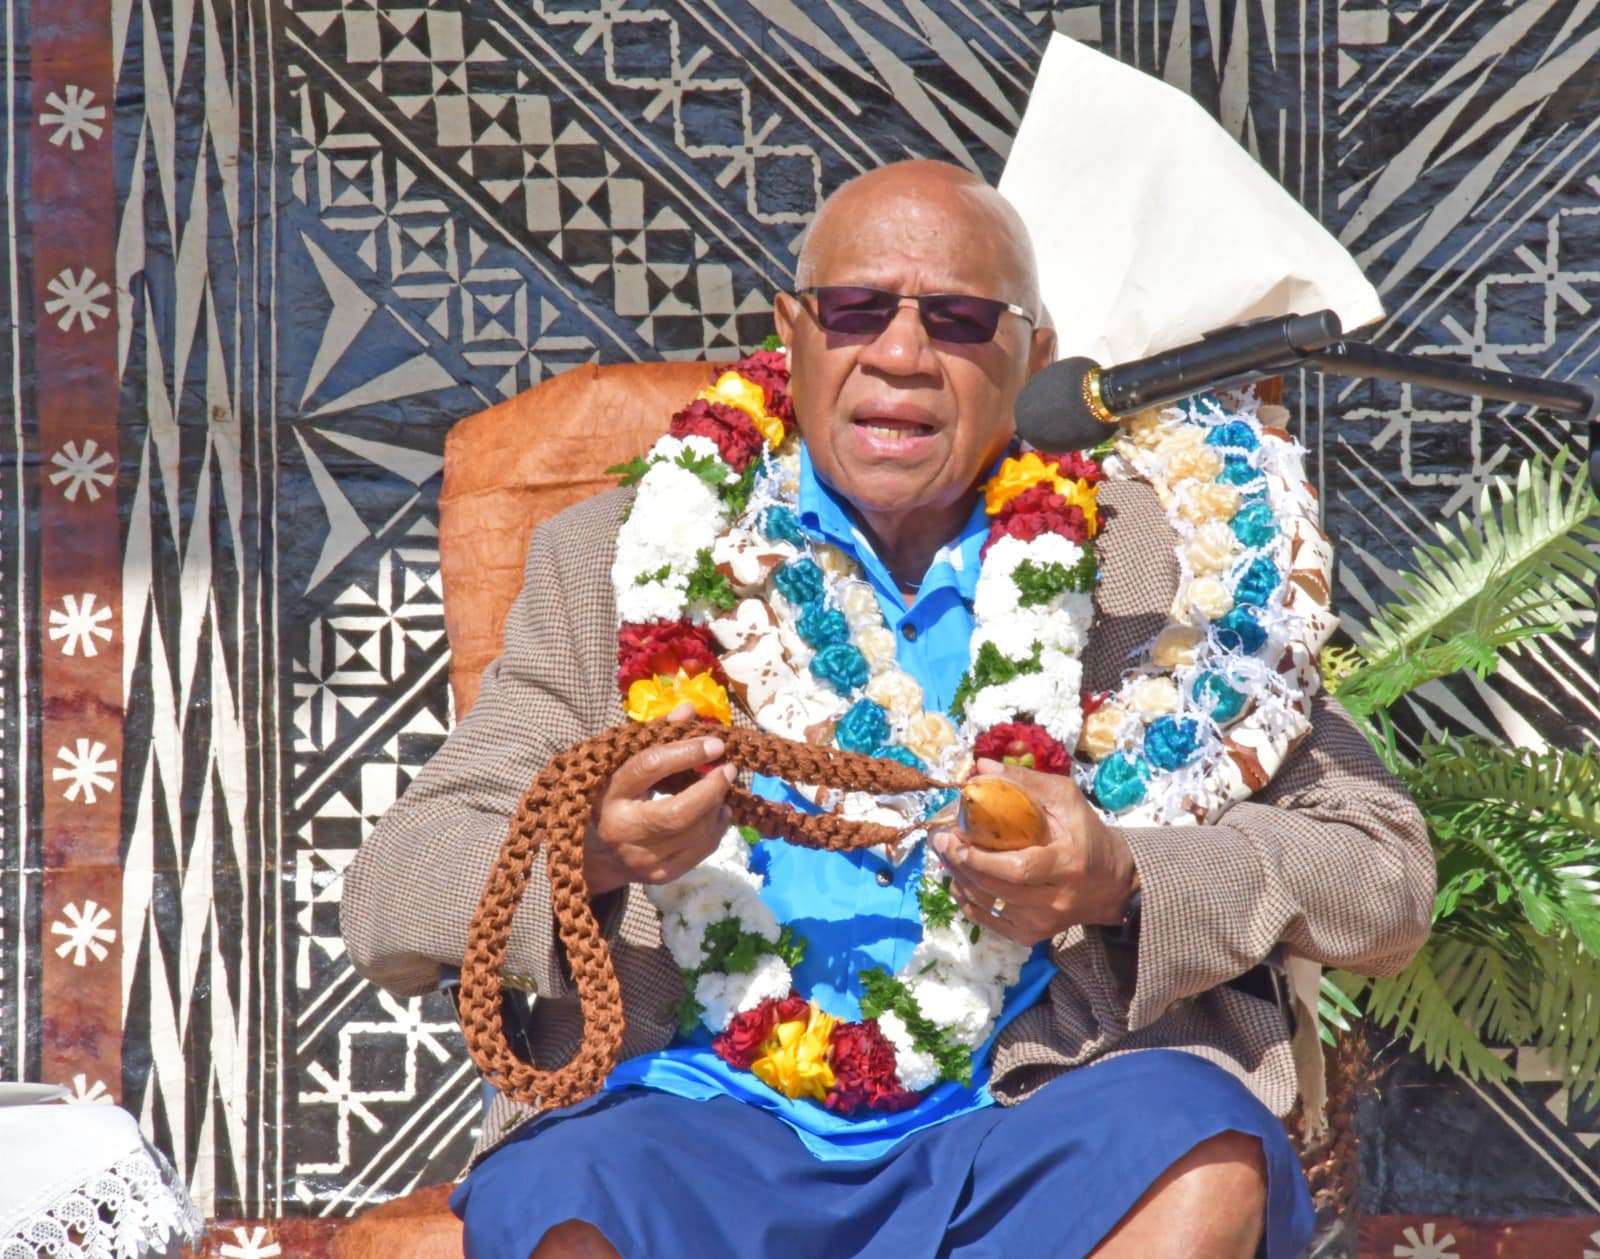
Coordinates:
[992,669]
[688,1010]
[729,948]
[1040,583]
[660,574]
[773,342]
[709,468]
[882,992]
[631,472]
[708,586]
[750,835]
[939,908]
[735,491]
[791,947]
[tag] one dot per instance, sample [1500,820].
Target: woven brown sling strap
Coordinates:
[554,815]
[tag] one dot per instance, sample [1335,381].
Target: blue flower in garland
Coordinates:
[823,626]
[1121,781]
[1171,742]
[1240,631]
[781,523]
[894,752]
[1211,689]
[863,729]
[1236,470]
[801,582]
[1254,523]
[1256,584]
[1235,433]
[842,667]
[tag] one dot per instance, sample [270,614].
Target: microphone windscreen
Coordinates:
[1051,413]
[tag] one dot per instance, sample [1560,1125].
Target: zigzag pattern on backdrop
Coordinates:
[342,225]
[201,915]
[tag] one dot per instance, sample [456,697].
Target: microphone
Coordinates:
[1070,404]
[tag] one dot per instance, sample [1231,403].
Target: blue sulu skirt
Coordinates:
[663,1176]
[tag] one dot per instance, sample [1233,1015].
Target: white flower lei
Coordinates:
[685,552]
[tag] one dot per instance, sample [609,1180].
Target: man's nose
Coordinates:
[904,347]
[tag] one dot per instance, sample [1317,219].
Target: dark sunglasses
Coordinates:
[856,310]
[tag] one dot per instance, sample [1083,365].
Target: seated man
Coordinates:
[1126,1104]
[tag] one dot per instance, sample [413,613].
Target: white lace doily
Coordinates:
[99,1191]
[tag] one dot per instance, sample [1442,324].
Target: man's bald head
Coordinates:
[964,203]
[898,419]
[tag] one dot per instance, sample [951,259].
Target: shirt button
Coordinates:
[908,631]
[885,877]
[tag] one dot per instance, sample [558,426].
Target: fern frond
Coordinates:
[1565,1006]
[1511,822]
[1444,1003]
[1526,566]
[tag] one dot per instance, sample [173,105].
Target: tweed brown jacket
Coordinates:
[1331,861]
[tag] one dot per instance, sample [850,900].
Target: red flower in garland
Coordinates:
[770,370]
[741,1043]
[1023,743]
[736,435]
[661,648]
[863,1071]
[1076,465]
[1036,511]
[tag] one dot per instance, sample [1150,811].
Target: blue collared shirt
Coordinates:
[854,908]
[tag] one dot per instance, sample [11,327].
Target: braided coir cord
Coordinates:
[555,814]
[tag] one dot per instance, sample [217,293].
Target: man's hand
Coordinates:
[1085,874]
[634,839]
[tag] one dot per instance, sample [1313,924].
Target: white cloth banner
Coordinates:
[1151,224]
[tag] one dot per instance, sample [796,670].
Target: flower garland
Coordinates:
[718,591]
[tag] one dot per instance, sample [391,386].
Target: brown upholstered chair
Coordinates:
[506,470]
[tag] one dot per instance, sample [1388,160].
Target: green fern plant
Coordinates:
[1514,956]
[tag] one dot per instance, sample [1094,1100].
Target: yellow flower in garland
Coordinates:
[1019,475]
[1085,495]
[649,698]
[733,390]
[794,1060]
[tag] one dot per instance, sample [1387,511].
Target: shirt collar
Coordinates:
[825,518]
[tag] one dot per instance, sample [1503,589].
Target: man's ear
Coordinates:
[785,308]
[1041,350]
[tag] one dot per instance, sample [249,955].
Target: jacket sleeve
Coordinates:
[414,885]
[1332,860]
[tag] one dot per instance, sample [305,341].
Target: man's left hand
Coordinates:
[1084,874]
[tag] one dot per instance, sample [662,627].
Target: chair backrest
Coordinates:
[510,467]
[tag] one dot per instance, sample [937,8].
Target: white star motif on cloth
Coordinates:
[1593,1254]
[86,770]
[84,470]
[257,1243]
[74,116]
[79,297]
[1426,1246]
[87,1091]
[85,931]
[77,623]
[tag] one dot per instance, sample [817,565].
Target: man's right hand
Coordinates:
[634,839]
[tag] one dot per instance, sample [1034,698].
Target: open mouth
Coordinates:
[891,429]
